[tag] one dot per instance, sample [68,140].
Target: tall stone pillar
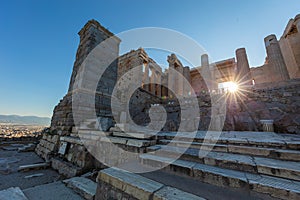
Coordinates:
[204,61]
[152,80]
[146,77]
[171,86]
[205,71]
[276,60]
[179,79]
[158,86]
[175,77]
[90,93]
[243,76]
[164,81]
[187,83]
[213,83]
[90,36]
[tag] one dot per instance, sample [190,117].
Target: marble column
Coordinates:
[204,61]
[187,83]
[164,81]
[171,77]
[146,77]
[158,86]
[243,76]
[152,81]
[205,71]
[179,81]
[213,83]
[279,69]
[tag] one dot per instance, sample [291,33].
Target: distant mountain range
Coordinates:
[25,120]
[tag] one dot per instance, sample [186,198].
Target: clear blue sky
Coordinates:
[39,38]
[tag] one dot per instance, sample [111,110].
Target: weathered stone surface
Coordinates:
[118,184]
[65,168]
[284,169]
[33,166]
[27,148]
[132,184]
[282,154]
[12,193]
[34,175]
[273,186]
[170,193]
[132,135]
[48,145]
[83,186]
[105,123]
[279,168]
[73,140]
[63,148]
[51,191]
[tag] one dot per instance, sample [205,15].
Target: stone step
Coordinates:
[91,135]
[72,140]
[134,135]
[13,193]
[260,165]
[10,148]
[95,132]
[51,191]
[33,166]
[114,183]
[65,168]
[27,148]
[131,129]
[83,186]
[273,186]
[92,138]
[129,141]
[254,139]
[280,154]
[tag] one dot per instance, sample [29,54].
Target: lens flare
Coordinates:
[232,87]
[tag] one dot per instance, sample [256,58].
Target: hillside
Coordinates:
[26,120]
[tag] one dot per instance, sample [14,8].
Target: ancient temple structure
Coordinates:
[139,64]
[269,93]
[282,64]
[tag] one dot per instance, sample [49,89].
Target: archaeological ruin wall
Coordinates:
[91,35]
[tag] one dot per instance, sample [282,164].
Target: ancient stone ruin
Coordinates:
[258,149]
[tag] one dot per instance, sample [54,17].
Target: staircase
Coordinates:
[133,141]
[261,162]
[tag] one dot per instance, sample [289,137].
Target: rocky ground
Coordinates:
[39,183]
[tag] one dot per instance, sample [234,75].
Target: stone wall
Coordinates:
[47,146]
[279,102]
[107,191]
[139,105]
[62,118]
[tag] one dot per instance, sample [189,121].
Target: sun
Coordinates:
[231,87]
